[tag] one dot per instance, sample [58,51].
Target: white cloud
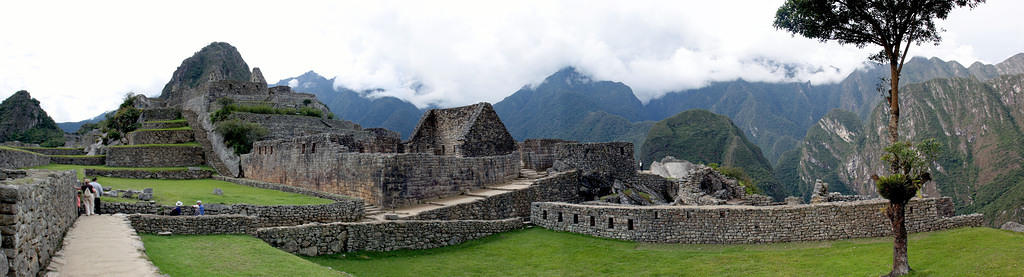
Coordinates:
[79,59]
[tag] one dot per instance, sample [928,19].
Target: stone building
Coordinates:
[467,131]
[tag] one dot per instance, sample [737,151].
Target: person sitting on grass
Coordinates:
[200,210]
[177,208]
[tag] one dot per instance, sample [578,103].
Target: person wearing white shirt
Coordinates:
[99,192]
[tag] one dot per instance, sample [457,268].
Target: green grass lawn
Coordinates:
[540,252]
[226,255]
[167,192]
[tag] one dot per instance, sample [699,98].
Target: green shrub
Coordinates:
[240,135]
[741,176]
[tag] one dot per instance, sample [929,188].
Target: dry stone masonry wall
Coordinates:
[194,225]
[746,224]
[155,155]
[181,174]
[539,154]
[322,239]
[79,160]
[35,212]
[265,216]
[55,151]
[513,204]
[16,158]
[160,136]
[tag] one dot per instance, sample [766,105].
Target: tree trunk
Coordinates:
[897,216]
[894,104]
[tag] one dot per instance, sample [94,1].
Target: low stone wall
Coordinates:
[745,224]
[164,124]
[16,158]
[194,225]
[323,239]
[55,151]
[144,136]
[35,213]
[181,174]
[287,188]
[155,155]
[266,216]
[79,160]
[539,154]
[513,204]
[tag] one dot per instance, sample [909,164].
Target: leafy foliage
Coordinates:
[240,135]
[124,121]
[909,166]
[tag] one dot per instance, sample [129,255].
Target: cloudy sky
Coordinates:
[79,58]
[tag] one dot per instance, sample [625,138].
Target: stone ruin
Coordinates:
[671,167]
[467,131]
[820,194]
[679,182]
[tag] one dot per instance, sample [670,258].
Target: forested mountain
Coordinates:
[22,119]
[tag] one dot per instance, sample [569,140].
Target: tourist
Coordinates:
[99,192]
[200,210]
[88,198]
[177,208]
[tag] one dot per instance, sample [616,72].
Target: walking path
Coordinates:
[101,245]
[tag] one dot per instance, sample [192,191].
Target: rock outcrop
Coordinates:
[22,119]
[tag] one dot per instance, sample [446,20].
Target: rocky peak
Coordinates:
[22,119]
[257,76]
[215,62]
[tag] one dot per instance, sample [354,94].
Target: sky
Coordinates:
[79,58]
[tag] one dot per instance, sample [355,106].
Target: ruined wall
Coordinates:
[513,204]
[155,155]
[467,131]
[35,213]
[745,224]
[612,159]
[323,239]
[79,160]
[387,180]
[160,136]
[180,174]
[287,126]
[539,154]
[17,158]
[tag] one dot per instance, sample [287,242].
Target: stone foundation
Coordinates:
[155,155]
[746,224]
[16,158]
[35,213]
[323,239]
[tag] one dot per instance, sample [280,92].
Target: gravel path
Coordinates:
[101,245]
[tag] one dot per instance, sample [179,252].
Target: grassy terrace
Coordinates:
[166,192]
[167,121]
[164,129]
[540,252]
[190,144]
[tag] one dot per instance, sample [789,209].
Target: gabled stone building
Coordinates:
[467,131]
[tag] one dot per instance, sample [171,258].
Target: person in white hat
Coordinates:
[200,210]
[177,208]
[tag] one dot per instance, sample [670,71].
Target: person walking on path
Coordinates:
[88,199]
[99,192]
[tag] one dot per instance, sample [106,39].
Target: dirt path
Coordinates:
[101,245]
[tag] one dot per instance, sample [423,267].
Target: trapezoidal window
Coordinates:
[559,216]
[592,221]
[575,218]
[611,223]
[629,224]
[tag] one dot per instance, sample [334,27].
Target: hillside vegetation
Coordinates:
[22,119]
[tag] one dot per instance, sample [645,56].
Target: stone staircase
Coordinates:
[164,140]
[526,178]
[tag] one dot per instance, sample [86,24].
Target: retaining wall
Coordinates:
[746,224]
[266,216]
[155,155]
[35,213]
[79,160]
[144,136]
[194,225]
[16,158]
[181,174]
[55,151]
[513,204]
[163,124]
[286,188]
[385,180]
[160,114]
[539,154]
[322,239]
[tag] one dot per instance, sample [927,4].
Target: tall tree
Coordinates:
[892,24]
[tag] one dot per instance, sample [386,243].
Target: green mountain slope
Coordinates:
[701,136]
[977,123]
[22,119]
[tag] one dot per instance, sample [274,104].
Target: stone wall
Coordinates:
[17,158]
[155,155]
[194,225]
[288,126]
[385,180]
[287,188]
[539,154]
[159,114]
[745,224]
[266,216]
[180,174]
[612,159]
[323,239]
[55,151]
[79,160]
[513,204]
[160,136]
[35,213]
[163,124]
[467,131]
